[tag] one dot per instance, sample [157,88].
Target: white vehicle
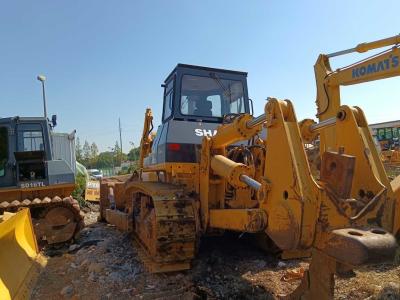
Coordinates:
[95,174]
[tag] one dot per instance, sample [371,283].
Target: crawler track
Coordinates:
[55,220]
[164,225]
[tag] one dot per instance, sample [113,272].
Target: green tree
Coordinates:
[86,153]
[105,160]
[133,154]
[117,154]
[78,150]
[94,153]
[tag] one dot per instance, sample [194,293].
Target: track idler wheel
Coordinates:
[59,223]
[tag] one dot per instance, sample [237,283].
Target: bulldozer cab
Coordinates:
[26,156]
[196,100]
[196,93]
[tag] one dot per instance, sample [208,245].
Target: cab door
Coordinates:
[7,170]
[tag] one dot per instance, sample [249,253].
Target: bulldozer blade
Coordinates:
[20,262]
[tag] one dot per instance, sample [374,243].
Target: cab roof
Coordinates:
[23,119]
[185,66]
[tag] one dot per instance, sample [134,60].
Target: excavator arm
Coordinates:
[380,66]
[146,140]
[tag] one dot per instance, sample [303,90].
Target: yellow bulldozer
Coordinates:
[212,166]
[36,207]
[35,173]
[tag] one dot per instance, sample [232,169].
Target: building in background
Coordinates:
[386,134]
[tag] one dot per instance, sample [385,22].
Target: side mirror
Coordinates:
[163,85]
[54,120]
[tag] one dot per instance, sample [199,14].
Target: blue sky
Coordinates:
[107,59]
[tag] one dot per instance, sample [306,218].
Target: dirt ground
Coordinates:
[104,264]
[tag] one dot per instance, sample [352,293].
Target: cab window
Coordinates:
[33,141]
[237,106]
[3,150]
[212,96]
[388,133]
[215,101]
[168,99]
[395,133]
[381,134]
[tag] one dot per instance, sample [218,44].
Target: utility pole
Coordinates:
[120,138]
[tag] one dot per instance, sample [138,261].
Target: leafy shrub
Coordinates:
[79,192]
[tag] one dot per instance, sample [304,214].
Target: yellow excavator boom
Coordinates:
[382,65]
[145,143]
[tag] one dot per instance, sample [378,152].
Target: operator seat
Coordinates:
[203,108]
